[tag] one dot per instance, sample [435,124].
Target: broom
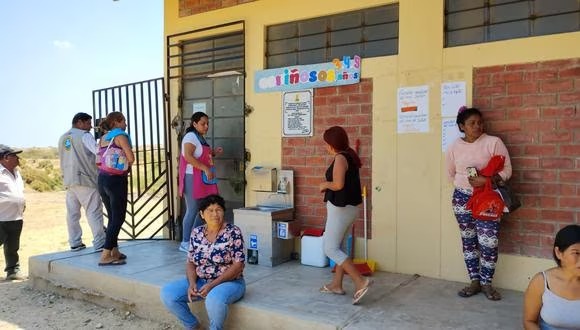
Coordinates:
[365,267]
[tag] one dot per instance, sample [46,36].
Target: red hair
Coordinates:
[337,138]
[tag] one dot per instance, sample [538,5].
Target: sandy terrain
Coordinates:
[24,308]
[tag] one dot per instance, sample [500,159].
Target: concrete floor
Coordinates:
[283,297]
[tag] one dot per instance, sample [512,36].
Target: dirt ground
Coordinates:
[22,307]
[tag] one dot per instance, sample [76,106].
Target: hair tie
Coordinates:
[461,109]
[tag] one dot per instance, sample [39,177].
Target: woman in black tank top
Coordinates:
[342,194]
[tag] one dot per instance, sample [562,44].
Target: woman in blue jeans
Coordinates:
[113,187]
[196,157]
[214,269]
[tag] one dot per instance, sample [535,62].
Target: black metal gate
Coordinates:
[150,203]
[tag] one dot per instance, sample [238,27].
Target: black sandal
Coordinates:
[470,290]
[490,292]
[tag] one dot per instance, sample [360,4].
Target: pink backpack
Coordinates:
[113,160]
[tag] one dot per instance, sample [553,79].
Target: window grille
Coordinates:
[477,21]
[370,32]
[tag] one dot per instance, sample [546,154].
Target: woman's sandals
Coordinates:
[490,292]
[470,290]
[474,288]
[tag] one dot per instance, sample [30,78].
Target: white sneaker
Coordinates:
[184,247]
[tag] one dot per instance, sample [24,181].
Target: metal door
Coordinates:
[222,99]
[209,64]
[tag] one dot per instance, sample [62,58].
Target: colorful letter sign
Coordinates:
[300,77]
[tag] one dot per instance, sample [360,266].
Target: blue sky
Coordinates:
[55,53]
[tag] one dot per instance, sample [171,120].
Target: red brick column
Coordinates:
[534,108]
[348,106]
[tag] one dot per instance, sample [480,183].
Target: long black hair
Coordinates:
[566,237]
[195,118]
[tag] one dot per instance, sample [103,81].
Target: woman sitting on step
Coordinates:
[214,269]
[552,300]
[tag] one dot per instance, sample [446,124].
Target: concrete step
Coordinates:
[282,297]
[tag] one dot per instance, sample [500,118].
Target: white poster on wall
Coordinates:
[453,97]
[413,109]
[449,133]
[297,117]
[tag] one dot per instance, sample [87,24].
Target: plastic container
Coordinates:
[312,253]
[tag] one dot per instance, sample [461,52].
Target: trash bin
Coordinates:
[312,251]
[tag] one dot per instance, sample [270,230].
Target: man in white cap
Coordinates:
[11,210]
[77,150]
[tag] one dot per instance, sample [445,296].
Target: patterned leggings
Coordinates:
[479,238]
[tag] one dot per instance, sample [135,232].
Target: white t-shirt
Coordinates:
[191,138]
[90,143]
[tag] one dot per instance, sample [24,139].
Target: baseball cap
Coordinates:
[6,150]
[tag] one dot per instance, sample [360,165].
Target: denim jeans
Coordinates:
[174,297]
[191,219]
[113,191]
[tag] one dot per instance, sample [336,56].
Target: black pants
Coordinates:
[113,191]
[10,238]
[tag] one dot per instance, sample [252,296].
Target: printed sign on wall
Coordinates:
[297,118]
[343,71]
[449,133]
[413,109]
[453,97]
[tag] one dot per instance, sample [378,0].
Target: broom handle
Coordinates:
[364,193]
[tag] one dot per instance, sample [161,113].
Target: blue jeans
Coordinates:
[191,219]
[174,297]
[113,190]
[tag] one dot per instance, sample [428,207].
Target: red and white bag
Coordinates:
[486,204]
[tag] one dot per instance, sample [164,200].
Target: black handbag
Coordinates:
[511,201]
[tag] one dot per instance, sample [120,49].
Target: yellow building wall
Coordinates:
[414,229]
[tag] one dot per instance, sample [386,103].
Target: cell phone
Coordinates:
[471,172]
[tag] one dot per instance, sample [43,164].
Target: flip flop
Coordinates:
[325,289]
[361,293]
[113,263]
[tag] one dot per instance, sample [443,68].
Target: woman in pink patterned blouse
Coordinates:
[214,269]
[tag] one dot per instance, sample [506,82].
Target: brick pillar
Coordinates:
[349,106]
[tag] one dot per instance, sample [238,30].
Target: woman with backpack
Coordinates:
[115,160]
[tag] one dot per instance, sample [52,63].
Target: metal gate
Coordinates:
[150,204]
